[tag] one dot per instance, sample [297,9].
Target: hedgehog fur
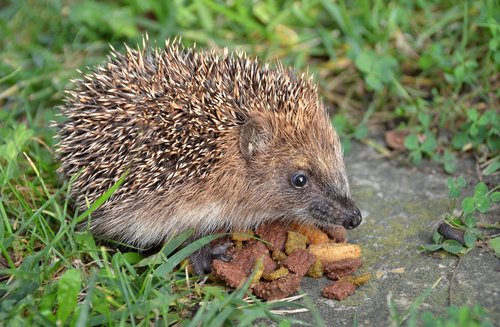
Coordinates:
[208,140]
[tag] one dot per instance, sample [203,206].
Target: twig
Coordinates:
[377,147]
[282,311]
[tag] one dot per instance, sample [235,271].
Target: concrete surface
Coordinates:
[401,206]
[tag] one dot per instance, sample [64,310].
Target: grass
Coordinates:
[427,68]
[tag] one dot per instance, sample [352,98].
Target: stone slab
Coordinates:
[401,206]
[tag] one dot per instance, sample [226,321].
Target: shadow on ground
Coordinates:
[401,206]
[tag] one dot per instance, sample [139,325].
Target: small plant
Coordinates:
[462,316]
[422,142]
[458,234]
[379,70]
[425,144]
[479,133]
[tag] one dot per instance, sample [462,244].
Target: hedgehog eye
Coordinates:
[299,179]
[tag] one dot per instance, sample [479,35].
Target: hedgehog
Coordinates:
[206,140]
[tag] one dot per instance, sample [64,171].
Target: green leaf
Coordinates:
[85,240]
[492,142]
[470,220]
[68,288]
[492,167]
[416,157]
[450,167]
[14,145]
[430,144]
[495,245]
[103,16]
[263,12]
[386,67]
[411,142]
[453,246]
[468,205]
[47,303]
[132,257]
[364,61]
[450,162]
[472,114]
[459,140]
[493,45]
[284,323]
[470,239]
[454,191]
[428,319]
[480,189]
[430,247]
[425,119]
[437,238]
[425,62]
[455,222]
[341,123]
[482,203]
[346,145]
[451,184]
[361,132]
[459,72]
[473,130]
[495,196]
[461,182]
[483,120]
[374,82]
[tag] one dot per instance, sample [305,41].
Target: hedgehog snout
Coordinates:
[352,219]
[349,214]
[336,211]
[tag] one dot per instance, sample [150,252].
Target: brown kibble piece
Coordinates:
[314,234]
[279,276]
[337,269]
[337,233]
[277,289]
[279,255]
[269,264]
[233,275]
[295,241]
[245,235]
[278,273]
[335,251]
[238,245]
[257,271]
[299,261]
[316,270]
[339,290]
[248,256]
[274,234]
[357,280]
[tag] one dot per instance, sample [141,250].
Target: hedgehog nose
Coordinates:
[353,219]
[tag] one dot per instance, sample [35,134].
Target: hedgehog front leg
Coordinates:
[202,259]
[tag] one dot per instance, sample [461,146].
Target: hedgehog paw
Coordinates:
[202,259]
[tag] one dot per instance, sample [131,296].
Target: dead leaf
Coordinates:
[395,139]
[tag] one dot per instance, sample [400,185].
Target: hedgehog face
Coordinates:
[304,172]
[325,203]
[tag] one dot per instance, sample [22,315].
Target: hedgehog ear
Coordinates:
[253,139]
